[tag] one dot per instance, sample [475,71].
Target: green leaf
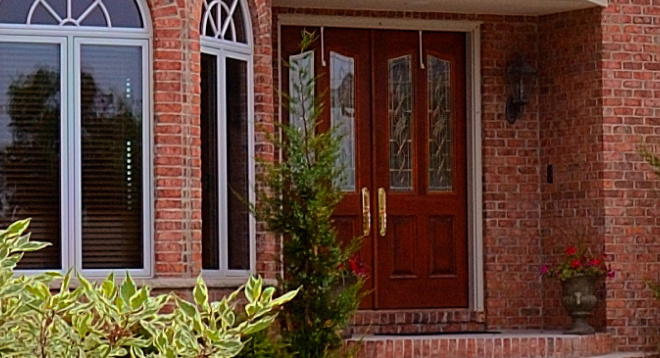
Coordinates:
[187,308]
[201,293]
[128,288]
[33,246]
[15,229]
[253,288]
[267,295]
[108,285]
[139,298]
[284,298]
[260,325]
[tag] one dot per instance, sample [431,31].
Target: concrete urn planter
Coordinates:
[579,300]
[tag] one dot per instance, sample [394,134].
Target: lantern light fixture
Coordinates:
[520,76]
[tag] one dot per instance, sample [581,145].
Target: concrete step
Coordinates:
[516,344]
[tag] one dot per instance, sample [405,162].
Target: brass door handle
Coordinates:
[382,212]
[366,212]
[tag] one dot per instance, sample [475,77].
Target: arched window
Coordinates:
[227,138]
[74,131]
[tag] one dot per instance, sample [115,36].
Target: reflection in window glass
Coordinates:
[30,119]
[301,72]
[111,135]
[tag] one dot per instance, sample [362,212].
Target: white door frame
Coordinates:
[473,98]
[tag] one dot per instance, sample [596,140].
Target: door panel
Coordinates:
[404,132]
[420,161]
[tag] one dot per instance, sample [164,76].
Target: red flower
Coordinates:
[571,250]
[575,264]
[595,262]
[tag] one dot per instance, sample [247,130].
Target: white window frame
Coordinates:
[70,39]
[223,50]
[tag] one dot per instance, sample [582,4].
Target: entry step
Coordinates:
[509,344]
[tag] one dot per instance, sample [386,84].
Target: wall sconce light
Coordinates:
[520,75]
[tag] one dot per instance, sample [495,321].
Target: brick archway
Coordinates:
[176,131]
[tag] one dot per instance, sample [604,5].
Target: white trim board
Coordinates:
[473,112]
[377,23]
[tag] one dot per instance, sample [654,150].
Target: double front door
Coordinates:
[399,101]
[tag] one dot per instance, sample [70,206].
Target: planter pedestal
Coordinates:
[579,300]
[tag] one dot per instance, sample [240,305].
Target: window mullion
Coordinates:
[223,216]
[66,186]
[75,203]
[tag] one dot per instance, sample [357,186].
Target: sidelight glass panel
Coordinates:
[400,99]
[440,130]
[342,114]
[301,76]
[30,145]
[111,156]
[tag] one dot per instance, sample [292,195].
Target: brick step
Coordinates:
[515,344]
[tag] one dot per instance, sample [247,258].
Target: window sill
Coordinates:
[176,283]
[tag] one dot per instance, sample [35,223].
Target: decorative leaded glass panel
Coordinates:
[224,20]
[301,75]
[342,114]
[440,131]
[400,99]
[94,13]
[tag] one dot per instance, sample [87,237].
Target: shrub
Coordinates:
[297,201]
[110,320]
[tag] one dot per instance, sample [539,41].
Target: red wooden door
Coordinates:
[419,133]
[405,138]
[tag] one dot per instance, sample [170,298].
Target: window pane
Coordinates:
[224,20]
[439,112]
[239,23]
[209,127]
[122,13]
[111,135]
[400,113]
[14,11]
[30,145]
[342,114]
[237,165]
[301,72]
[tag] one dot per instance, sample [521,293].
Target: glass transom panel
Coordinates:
[400,99]
[92,13]
[440,129]
[342,114]
[224,20]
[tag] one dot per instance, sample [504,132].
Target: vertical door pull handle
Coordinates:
[366,212]
[382,212]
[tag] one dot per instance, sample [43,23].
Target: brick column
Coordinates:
[631,193]
[177,162]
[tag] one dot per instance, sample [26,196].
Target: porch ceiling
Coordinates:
[495,7]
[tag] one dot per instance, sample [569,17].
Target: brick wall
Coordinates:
[177,157]
[571,141]
[511,169]
[631,71]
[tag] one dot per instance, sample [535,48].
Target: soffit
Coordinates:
[495,7]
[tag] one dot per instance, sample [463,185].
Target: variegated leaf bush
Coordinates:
[107,319]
